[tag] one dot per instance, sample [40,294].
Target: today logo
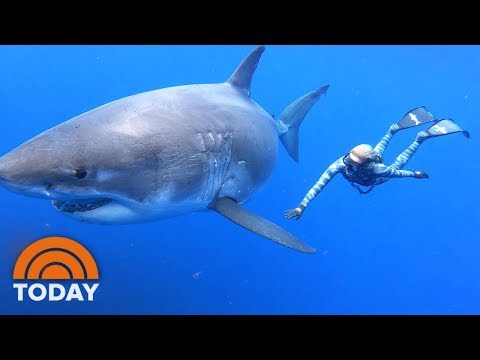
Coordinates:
[55,258]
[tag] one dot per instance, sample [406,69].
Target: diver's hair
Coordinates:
[365,153]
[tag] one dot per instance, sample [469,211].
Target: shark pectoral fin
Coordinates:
[250,221]
[291,118]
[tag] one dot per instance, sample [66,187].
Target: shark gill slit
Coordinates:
[217,150]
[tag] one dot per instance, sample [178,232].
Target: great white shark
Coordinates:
[162,153]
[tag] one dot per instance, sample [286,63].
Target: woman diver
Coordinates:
[364,166]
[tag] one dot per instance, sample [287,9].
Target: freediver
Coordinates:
[364,166]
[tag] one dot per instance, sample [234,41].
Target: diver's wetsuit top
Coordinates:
[374,174]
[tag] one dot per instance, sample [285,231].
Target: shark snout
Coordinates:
[12,167]
[17,177]
[36,177]
[4,177]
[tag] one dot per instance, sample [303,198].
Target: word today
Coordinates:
[56,292]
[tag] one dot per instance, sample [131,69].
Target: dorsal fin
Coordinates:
[242,77]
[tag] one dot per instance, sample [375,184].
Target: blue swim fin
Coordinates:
[415,117]
[443,127]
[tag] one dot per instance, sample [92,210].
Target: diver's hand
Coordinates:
[421,175]
[296,213]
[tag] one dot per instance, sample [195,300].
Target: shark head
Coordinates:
[84,176]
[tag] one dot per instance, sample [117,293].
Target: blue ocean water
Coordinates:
[408,247]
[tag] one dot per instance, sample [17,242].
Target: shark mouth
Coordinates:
[80,205]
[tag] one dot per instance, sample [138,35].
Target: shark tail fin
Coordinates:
[289,122]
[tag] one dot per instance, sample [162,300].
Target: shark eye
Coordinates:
[80,173]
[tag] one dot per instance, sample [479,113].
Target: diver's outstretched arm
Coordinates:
[327,175]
